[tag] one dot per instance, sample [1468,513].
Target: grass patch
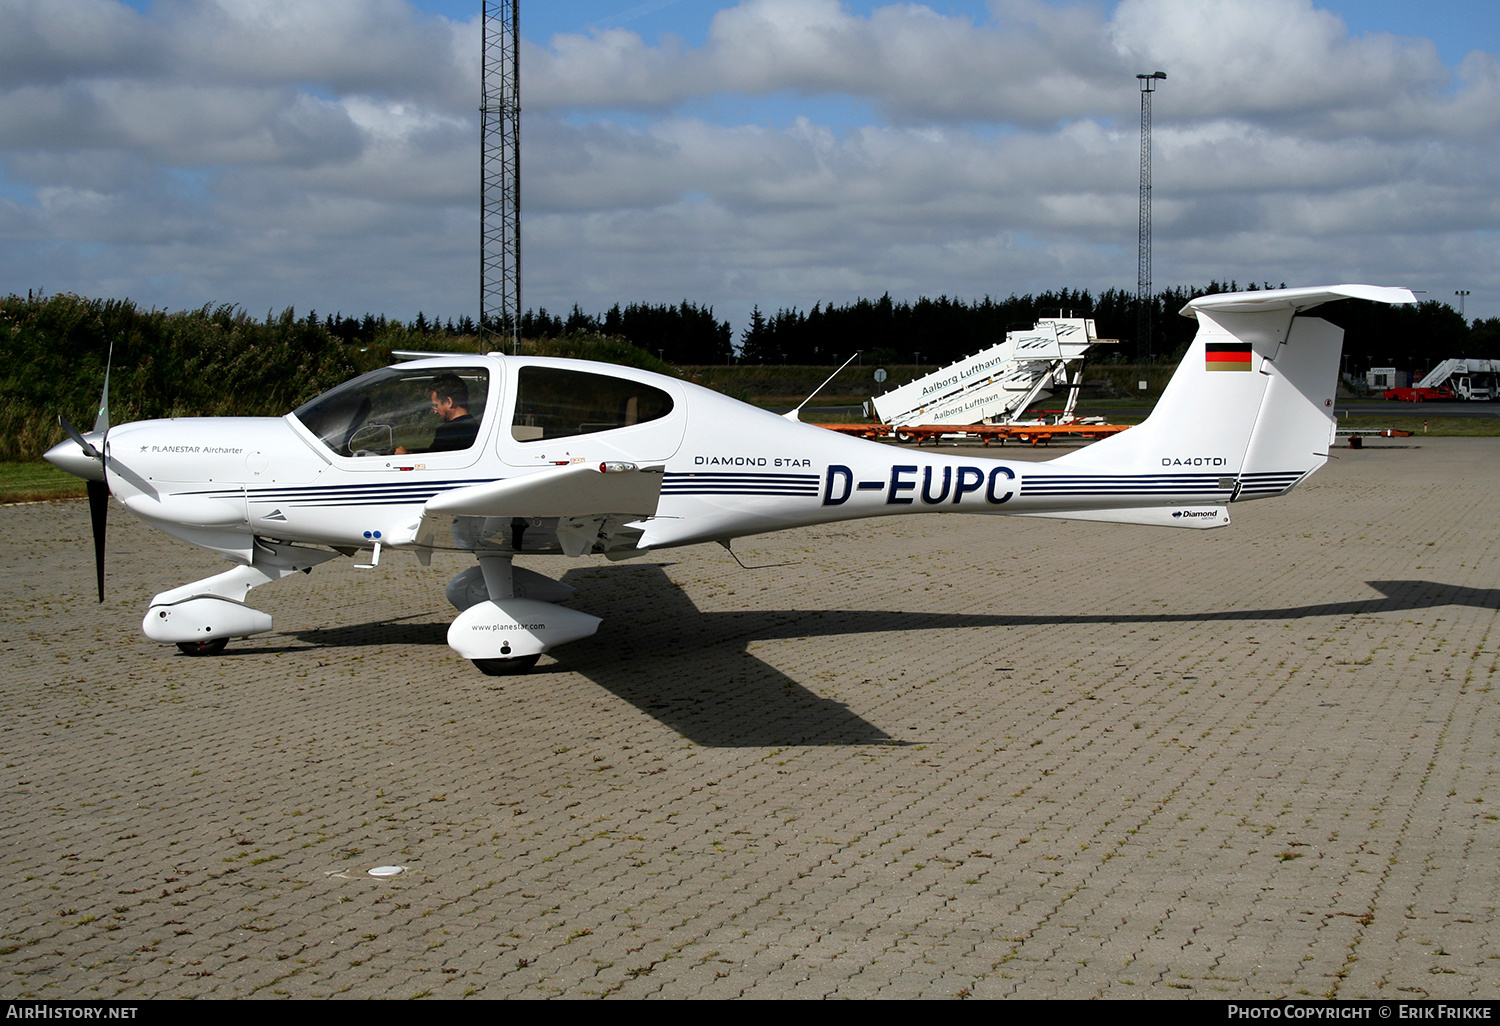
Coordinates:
[35,482]
[1461,427]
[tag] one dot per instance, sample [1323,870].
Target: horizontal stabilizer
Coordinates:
[1295,299]
[579,489]
[1201,517]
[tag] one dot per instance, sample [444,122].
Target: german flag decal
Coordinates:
[1227,356]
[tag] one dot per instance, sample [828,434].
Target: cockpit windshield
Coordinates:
[398,410]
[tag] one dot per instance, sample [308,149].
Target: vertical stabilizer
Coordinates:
[1251,400]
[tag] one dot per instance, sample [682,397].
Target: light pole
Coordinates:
[1143,248]
[1461,293]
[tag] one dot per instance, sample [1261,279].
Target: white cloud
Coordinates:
[369,46]
[1042,64]
[48,43]
[325,152]
[1273,121]
[1272,58]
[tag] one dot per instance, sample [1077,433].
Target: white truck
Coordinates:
[1469,379]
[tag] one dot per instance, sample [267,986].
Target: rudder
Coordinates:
[1253,398]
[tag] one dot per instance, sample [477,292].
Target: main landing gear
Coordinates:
[202,648]
[507,667]
[507,618]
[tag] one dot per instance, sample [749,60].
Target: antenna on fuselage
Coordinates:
[741,562]
[792,414]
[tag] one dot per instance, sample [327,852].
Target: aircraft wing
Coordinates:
[575,490]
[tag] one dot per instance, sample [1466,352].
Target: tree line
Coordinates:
[945,329]
[682,334]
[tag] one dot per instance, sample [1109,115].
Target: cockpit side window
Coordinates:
[397,411]
[552,402]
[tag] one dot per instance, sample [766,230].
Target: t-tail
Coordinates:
[1251,402]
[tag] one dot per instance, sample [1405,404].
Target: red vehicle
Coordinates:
[1417,395]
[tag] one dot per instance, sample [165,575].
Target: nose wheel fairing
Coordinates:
[214,609]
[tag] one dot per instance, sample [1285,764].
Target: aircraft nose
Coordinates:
[69,455]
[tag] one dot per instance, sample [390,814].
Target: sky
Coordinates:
[324,154]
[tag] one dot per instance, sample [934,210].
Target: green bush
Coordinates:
[213,362]
[216,361]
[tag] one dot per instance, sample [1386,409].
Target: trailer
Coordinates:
[1420,395]
[1026,433]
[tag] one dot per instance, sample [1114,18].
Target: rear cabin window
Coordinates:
[556,403]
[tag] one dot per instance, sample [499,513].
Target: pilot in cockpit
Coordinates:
[457,428]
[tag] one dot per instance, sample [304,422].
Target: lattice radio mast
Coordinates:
[1143,299]
[500,178]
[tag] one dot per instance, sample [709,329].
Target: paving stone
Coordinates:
[929,757]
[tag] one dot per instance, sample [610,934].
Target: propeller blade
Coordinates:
[101,422]
[98,491]
[72,432]
[98,513]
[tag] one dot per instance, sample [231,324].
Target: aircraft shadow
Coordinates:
[1397,596]
[417,629]
[692,671]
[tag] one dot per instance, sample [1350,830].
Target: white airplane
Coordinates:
[501,456]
